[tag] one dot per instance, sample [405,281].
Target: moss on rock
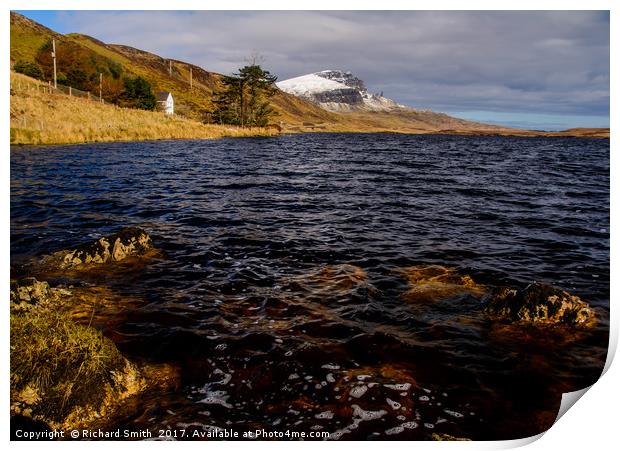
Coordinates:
[63,373]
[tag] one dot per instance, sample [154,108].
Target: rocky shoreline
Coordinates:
[66,374]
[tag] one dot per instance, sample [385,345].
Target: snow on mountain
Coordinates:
[337,90]
[307,85]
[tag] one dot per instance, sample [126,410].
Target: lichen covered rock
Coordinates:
[539,303]
[430,283]
[129,242]
[64,373]
[30,291]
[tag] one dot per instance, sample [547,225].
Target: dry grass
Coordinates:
[58,363]
[38,117]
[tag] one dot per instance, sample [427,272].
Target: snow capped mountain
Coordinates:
[337,90]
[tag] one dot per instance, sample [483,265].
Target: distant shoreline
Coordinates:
[41,118]
[603,135]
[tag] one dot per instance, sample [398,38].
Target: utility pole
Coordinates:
[100,85]
[191,81]
[54,57]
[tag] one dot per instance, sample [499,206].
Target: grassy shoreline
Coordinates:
[42,118]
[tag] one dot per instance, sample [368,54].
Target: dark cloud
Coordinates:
[551,62]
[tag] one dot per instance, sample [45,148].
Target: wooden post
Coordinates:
[170,67]
[191,80]
[49,86]
[54,57]
[69,91]
[88,94]
[100,85]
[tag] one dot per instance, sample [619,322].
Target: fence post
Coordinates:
[88,93]
[49,86]
[69,91]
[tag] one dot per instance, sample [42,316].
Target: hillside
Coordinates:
[81,58]
[38,117]
[28,41]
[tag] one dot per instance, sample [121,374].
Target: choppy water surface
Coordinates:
[240,301]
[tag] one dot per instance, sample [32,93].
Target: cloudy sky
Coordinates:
[547,70]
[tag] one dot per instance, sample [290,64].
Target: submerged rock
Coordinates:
[429,283]
[539,303]
[339,277]
[335,279]
[129,242]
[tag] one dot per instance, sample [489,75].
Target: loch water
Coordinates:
[266,338]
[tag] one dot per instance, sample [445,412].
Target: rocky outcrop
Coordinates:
[29,291]
[65,373]
[129,242]
[344,77]
[542,304]
[62,373]
[431,283]
[346,96]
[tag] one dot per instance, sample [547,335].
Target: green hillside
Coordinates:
[81,58]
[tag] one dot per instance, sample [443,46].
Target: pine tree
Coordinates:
[244,97]
[138,94]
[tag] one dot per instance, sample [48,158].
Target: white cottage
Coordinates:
[165,102]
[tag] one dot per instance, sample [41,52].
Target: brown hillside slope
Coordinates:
[38,117]
[28,36]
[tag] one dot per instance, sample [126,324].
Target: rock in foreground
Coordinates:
[62,373]
[129,242]
[539,303]
[29,291]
